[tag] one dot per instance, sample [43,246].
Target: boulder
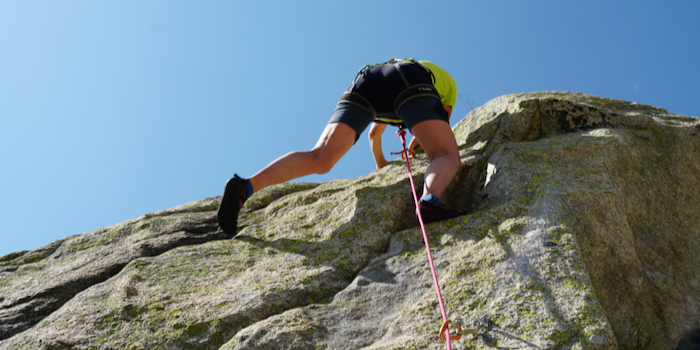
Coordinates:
[582,234]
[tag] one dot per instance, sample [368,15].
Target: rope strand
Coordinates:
[401,134]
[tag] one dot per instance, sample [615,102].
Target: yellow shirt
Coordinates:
[445,85]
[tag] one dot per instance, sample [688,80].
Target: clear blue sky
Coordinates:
[112,109]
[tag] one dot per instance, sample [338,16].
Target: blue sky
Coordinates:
[109,110]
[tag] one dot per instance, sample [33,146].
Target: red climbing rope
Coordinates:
[402,135]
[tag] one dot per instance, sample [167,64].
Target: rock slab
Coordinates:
[583,230]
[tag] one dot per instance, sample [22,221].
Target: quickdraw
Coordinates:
[482,323]
[405,153]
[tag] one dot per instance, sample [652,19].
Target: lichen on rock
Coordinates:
[582,226]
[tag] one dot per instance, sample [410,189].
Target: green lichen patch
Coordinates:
[203,205]
[12,256]
[277,272]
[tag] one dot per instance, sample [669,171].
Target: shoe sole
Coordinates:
[438,213]
[230,205]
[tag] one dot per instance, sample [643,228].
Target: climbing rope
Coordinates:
[445,327]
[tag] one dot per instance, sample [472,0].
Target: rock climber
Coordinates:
[418,94]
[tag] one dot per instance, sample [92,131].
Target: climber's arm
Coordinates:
[375,143]
[449,111]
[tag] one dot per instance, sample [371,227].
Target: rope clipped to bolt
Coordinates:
[445,327]
[459,333]
[482,323]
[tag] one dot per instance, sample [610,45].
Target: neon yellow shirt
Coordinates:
[445,85]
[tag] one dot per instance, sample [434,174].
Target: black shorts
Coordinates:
[381,86]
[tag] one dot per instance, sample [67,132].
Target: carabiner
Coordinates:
[460,331]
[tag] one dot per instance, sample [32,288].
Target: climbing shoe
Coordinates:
[431,212]
[231,203]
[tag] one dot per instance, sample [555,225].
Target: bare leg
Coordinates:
[335,141]
[438,142]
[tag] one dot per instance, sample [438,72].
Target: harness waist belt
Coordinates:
[410,92]
[414,91]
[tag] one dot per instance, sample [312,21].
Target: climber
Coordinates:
[418,94]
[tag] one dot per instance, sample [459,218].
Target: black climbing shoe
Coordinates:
[231,203]
[431,212]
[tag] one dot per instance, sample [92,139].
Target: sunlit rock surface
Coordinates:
[584,229]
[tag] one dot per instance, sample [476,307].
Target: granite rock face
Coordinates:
[583,231]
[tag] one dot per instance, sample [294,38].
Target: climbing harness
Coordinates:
[443,335]
[410,92]
[363,71]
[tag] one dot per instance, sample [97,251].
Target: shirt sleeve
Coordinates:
[444,83]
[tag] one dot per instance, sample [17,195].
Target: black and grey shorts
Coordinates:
[381,90]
